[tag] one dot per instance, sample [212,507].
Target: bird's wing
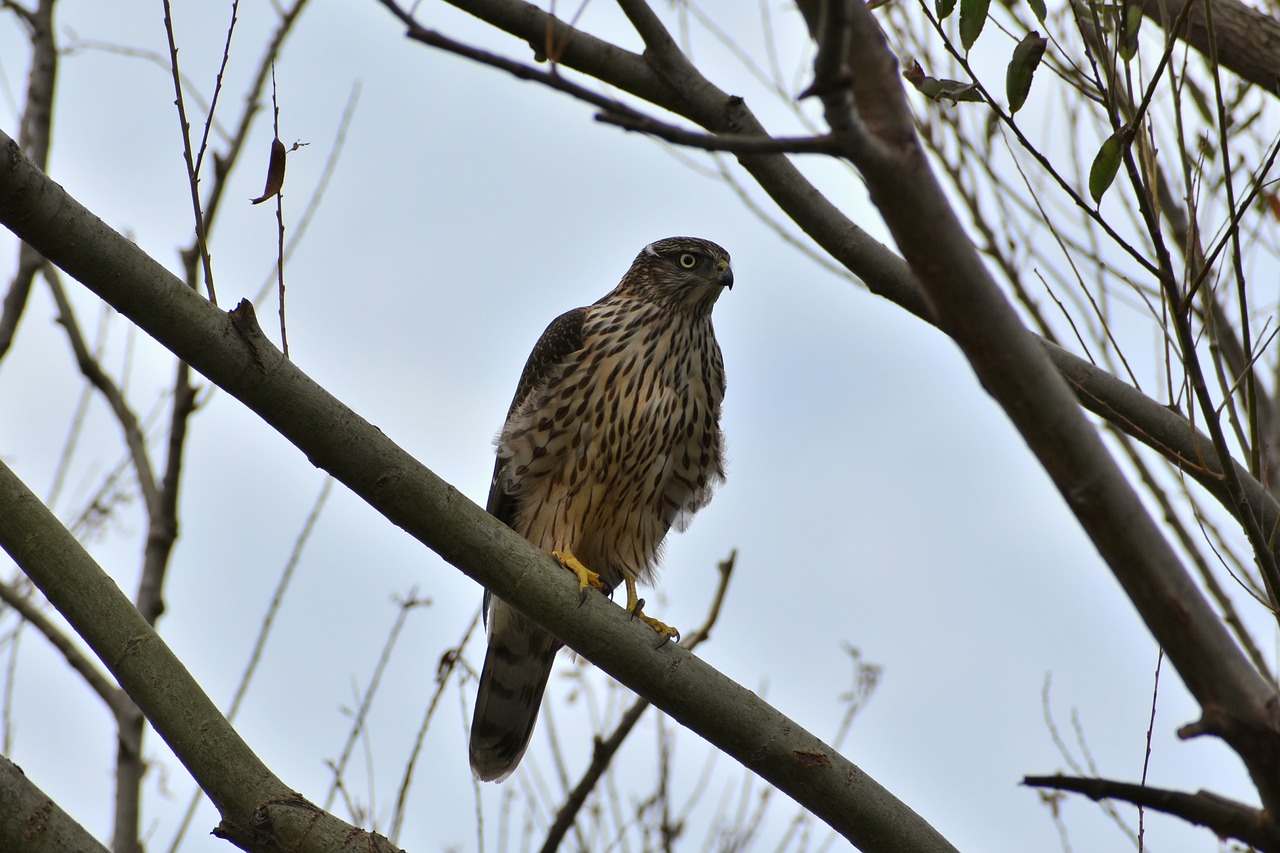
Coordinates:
[561,338]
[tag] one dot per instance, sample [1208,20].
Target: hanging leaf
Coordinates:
[1128,47]
[973,17]
[1017,77]
[275,172]
[1105,165]
[944,8]
[1038,9]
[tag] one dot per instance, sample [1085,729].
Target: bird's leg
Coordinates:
[586,577]
[635,604]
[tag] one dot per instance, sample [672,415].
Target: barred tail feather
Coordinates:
[514,676]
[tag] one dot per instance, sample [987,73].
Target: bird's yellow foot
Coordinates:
[586,577]
[635,604]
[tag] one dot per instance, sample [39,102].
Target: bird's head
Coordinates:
[680,271]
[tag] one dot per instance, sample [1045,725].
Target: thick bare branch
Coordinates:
[604,751]
[687,93]
[232,351]
[1237,704]
[259,812]
[33,823]
[1248,40]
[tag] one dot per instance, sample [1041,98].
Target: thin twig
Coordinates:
[736,143]
[339,766]
[107,690]
[275,126]
[193,176]
[448,664]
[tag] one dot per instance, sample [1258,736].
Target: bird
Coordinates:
[612,439]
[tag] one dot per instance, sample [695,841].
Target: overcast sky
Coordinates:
[876,496]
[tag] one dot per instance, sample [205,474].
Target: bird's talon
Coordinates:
[635,606]
[586,577]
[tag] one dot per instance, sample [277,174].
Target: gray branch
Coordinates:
[231,350]
[1236,703]
[33,823]
[1227,818]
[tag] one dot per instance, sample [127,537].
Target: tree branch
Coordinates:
[604,751]
[33,135]
[33,823]
[231,350]
[736,143]
[880,269]
[1227,818]
[259,812]
[1248,40]
[1237,703]
[114,698]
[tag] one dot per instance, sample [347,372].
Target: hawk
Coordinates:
[613,437]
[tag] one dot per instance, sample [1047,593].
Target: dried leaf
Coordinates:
[1105,165]
[275,172]
[1026,58]
[940,90]
[1273,204]
[973,17]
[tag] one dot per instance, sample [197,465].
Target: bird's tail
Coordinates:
[512,680]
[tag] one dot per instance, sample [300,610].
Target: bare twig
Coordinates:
[1146,756]
[134,439]
[358,718]
[114,698]
[275,126]
[736,143]
[193,176]
[449,662]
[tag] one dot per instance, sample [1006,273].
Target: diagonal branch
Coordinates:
[232,351]
[664,78]
[134,438]
[33,823]
[1235,701]
[258,811]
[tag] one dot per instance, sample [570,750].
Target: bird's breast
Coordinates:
[612,453]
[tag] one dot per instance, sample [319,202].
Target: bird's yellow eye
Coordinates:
[688,260]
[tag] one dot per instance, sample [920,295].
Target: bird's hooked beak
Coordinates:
[724,274]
